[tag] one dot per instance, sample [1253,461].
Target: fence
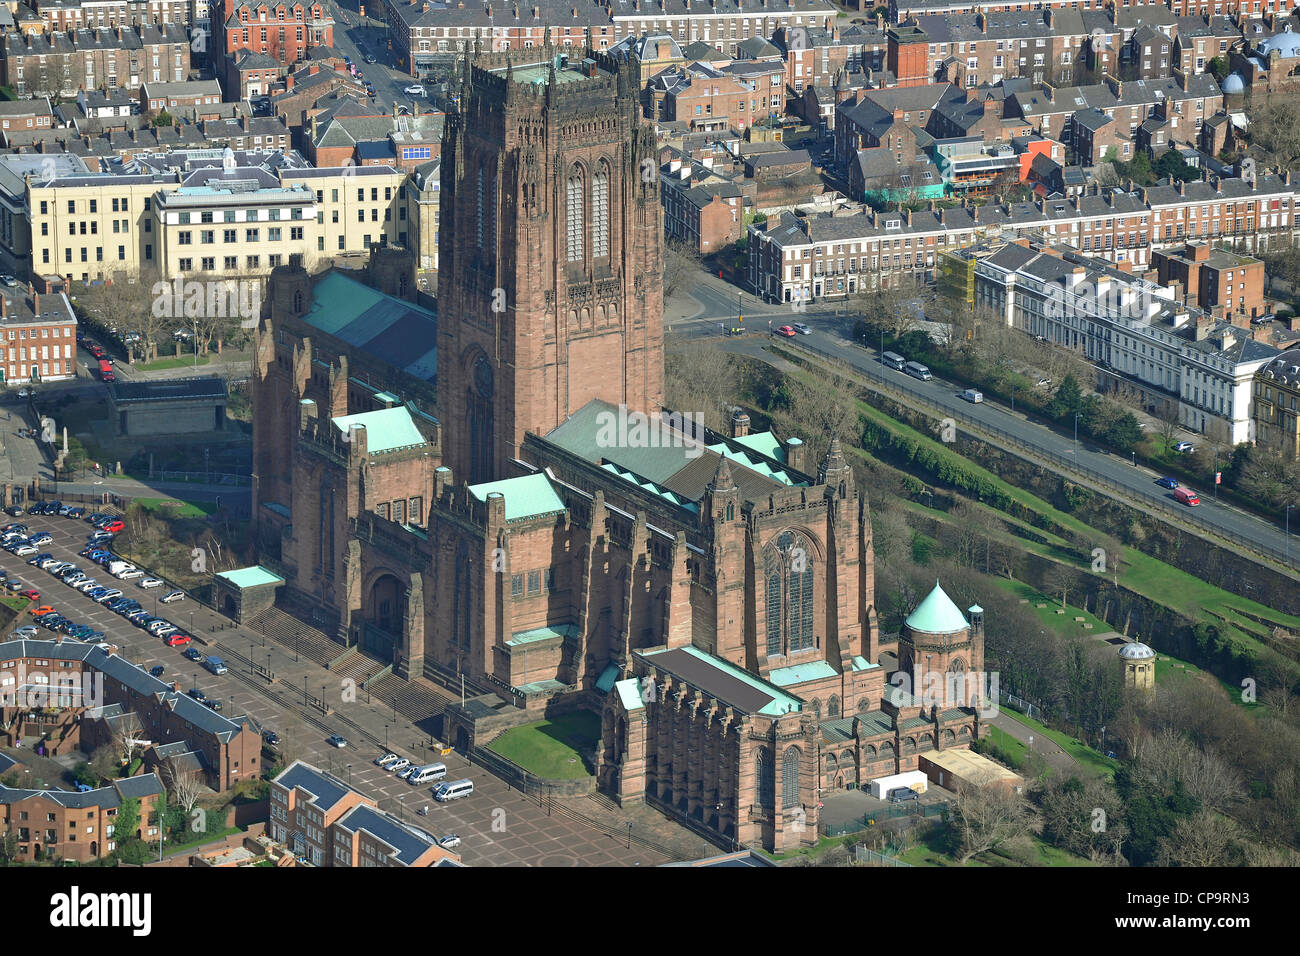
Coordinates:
[862,855]
[203,477]
[924,811]
[982,431]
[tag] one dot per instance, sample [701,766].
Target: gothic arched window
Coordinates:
[833,708]
[788,570]
[600,212]
[790,777]
[573,217]
[763,771]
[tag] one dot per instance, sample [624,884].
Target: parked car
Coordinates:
[337,740]
[173,597]
[400,764]
[415,89]
[195,655]
[157,670]
[449,842]
[271,737]
[148,583]
[1184,448]
[14,511]
[27,630]
[903,795]
[1167,482]
[197,694]
[38,611]
[32,594]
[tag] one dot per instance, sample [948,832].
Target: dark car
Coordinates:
[14,511]
[157,670]
[903,795]
[213,703]
[271,737]
[195,655]
[76,512]
[197,694]
[1167,482]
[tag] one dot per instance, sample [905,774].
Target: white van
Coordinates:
[453,791]
[427,774]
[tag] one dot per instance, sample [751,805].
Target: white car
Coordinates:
[400,764]
[27,549]
[23,392]
[415,89]
[10,281]
[148,583]
[405,774]
[173,597]
[386,759]
[449,842]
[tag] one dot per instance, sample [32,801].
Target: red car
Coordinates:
[114,528]
[32,593]
[177,640]
[787,331]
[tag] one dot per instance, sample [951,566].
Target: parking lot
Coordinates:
[497,825]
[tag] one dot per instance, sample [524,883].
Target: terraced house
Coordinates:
[60,64]
[832,256]
[429,33]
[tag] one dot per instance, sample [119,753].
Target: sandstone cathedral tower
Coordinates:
[550,247]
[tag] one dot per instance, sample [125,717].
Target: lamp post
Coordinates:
[1076,434]
[304,690]
[349,775]
[385,736]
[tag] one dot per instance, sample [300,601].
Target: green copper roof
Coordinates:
[757,464]
[528,497]
[629,692]
[862,664]
[765,443]
[937,614]
[386,428]
[542,634]
[250,577]
[814,670]
[393,330]
[607,678]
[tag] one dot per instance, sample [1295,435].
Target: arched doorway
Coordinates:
[228,607]
[385,611]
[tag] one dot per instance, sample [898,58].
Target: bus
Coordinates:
[106,371]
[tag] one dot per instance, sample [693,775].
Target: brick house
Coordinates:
[1217,280]
[56,63]
[78,826]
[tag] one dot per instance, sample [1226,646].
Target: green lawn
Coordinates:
[1016,749]
[1064,624]
[177,509]
[181,362]
[1087,758]
[552,749]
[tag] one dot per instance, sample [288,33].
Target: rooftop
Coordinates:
[531,496]
[723,680]
[250,577]
[398,332]
[387,429]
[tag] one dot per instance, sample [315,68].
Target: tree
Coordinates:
[984,818]
[1167,417]
[126,736]
[128,820]
[1204,839]
[104,762]
[890,533]
[1218,66]
[1275,130]
[1171,165]
[8,847]
[1067,399]
[680,264]
[183,784]
[131,307]
[1059,579]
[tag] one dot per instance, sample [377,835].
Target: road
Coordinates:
[357,40]
[1138,484]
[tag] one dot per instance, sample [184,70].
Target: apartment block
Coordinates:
[327,823]
[60,64]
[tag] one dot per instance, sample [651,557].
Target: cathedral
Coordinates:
[493,490]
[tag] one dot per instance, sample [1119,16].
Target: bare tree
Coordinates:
[890,533]
[126,736]
[183,783]
[1059,579]
[680,263]
[132,307]
[1167,416]
[984,818]
[104,762]
[1203,839]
